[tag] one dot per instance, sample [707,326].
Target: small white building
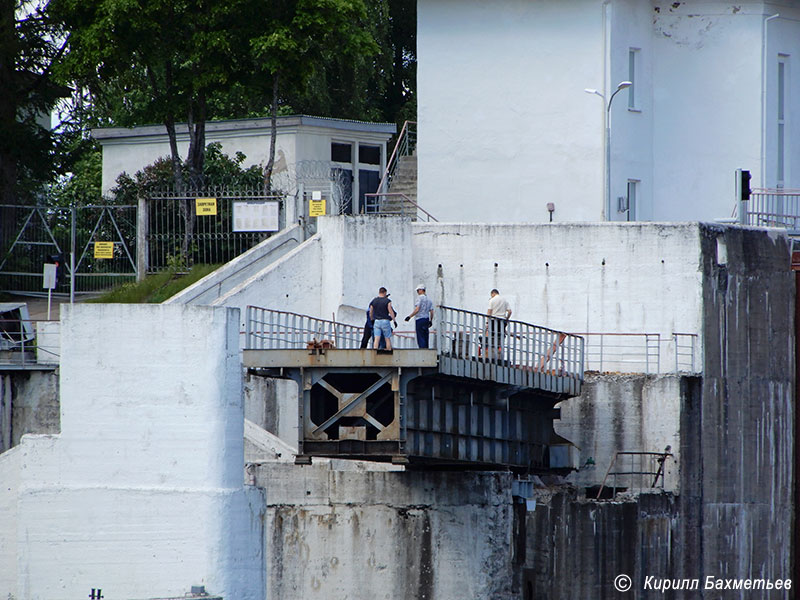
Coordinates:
[505,126]
[351,153]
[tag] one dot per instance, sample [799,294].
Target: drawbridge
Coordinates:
[483,396]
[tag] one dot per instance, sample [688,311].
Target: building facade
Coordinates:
[506,128]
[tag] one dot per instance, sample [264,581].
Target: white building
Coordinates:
[505,126]
[352,153]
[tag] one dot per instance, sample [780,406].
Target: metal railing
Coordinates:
[639,352]
[478,337]
[644,471]
[395,203]
[772,208]
[405,145]
[268,329]
[29,343]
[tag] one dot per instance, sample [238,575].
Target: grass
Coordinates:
[154,288]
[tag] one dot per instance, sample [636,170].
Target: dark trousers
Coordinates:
[423,329]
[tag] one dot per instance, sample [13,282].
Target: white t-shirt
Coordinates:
[499,306]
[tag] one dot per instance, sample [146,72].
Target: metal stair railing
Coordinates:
[379,203]
[405,145]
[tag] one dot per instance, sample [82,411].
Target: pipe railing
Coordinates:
[640,352]
[268,329]
[474,336]
[395,203]
[405,145]
[772,208]
[29,343]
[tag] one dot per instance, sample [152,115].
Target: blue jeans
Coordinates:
[423,328]
[382,327]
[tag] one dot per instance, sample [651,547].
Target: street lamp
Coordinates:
[607,140]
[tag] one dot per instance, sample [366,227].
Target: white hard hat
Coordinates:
[420,287]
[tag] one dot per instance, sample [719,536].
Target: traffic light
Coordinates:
[744,184]
[58,261]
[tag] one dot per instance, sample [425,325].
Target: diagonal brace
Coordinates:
[358,399]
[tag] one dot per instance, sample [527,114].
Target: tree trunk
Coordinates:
[196,158]
[273,135]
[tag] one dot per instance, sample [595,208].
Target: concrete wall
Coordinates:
[636,413]
[337,272]
[575,548]
[387,535]
[148,467]
[740,437]
[28,404]
[240,269]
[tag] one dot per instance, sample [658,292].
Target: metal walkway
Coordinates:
[483,396]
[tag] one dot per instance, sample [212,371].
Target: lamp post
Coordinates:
[607,140]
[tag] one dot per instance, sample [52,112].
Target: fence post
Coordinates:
[142,225]
[72,244]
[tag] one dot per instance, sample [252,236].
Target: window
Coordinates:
[369,155]
[781,149]
[633,67]
[341,152]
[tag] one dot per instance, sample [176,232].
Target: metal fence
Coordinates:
[279,330]
[34,235]
[772,208]
[478,337]
[173,228]
[640,352]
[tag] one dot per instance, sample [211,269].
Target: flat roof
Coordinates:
[264,123]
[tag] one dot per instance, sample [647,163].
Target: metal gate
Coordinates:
[34,235]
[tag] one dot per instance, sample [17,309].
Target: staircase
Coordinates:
[403,182]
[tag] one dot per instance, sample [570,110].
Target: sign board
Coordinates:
[256,216]
[205,206]
[49,277]
[316,208]
[104,249]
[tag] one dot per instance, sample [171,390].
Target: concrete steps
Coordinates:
[404,182]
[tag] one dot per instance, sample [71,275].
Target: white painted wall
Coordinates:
[148,468]
[300,138]
[504,125]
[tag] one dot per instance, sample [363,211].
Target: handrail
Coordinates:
[659,458]
[772,208]
[375,207]
[503,343]
[21,343]
[401,144]
[269,329]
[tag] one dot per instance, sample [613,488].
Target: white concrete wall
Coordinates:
[336,272]
[148,468]
[504,124]
[580,278]
[10,473]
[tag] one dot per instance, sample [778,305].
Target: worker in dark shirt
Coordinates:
[382,315]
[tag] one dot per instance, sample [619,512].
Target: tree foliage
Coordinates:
[29,46]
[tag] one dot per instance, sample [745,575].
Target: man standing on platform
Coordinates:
[499,313]
[382,315]
[423,310]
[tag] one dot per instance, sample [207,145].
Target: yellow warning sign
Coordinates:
[104,249]
[316,208]
[206,206]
